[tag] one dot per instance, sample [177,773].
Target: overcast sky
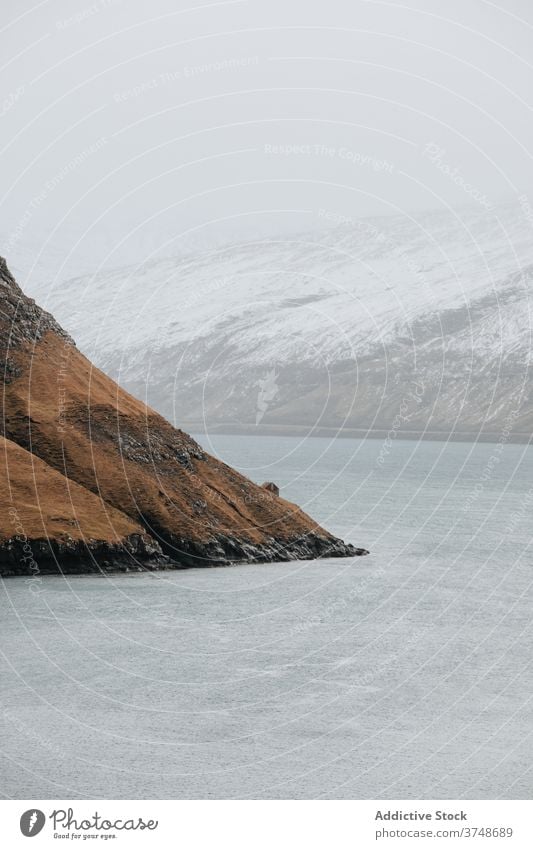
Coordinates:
[172,122]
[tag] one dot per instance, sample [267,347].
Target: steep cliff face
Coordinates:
[145,485]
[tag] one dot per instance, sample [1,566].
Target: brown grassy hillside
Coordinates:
[82,424]
[46,518]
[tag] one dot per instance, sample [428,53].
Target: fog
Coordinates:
[134,129]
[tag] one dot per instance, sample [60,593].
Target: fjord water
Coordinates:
[405,674]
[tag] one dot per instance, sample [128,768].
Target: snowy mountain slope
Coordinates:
[428,320]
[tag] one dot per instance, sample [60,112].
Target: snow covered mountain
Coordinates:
[395,324]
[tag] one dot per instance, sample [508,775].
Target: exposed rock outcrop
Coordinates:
[271,487]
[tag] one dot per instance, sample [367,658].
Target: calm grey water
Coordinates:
[406,674]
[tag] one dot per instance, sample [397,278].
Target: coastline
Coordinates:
[322,432]
[34,558]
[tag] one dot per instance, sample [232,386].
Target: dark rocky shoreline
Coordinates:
[36,557]
[31,558]
[224,550]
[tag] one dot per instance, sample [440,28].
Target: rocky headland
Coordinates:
[96,481]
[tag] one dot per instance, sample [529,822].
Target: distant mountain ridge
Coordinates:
[420,326]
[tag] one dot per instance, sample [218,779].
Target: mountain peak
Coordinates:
[22,321]
[6,278]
